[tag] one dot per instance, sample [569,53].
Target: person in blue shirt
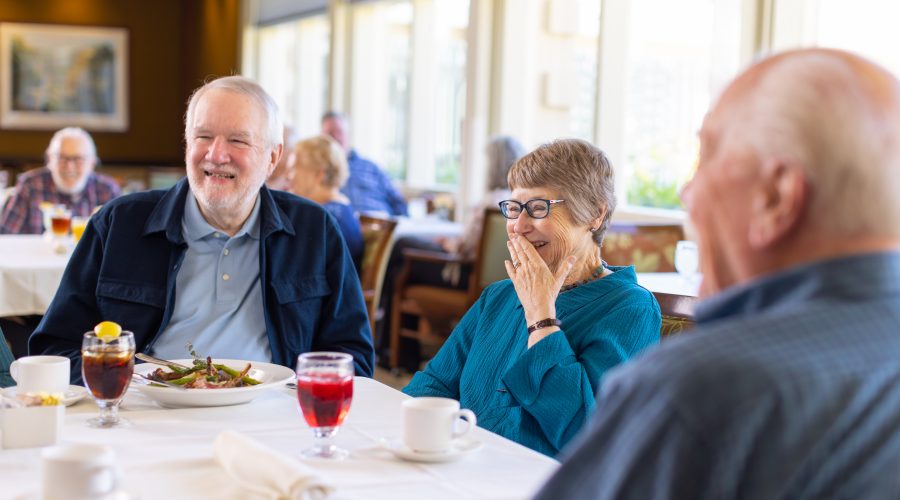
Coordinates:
[368,187]
[219,260]
[528,356]
[317,169]
[789,386]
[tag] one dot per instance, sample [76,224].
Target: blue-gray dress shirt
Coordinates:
[789,388]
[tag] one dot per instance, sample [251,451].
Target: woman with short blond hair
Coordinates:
[317,169]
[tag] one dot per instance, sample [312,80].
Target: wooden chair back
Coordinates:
[377,233]
[488,266]
[439,308]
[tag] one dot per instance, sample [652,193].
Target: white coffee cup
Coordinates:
[431,424]
[41,374]
[79,471]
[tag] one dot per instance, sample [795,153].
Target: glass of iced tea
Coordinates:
[60,223]
[324,390]
[106,367]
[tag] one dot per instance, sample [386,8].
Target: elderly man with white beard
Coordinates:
[68,179]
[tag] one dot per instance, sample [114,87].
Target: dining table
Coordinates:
[168,452]
[30,273]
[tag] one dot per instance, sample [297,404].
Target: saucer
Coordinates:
[458,449]
[74,394]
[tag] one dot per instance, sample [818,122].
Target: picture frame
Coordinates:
[55,76]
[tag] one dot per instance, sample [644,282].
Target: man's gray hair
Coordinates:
[70,133]
[837,115]
[241,85]
[581,173]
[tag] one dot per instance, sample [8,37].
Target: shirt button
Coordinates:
[217,235]
[226,277]
[226,251]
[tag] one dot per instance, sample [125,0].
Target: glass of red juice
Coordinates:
[106,367]
[324,390]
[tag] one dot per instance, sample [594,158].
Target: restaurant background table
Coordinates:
[30,272]
[670,283]
[168,453]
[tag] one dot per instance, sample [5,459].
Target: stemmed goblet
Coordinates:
[324,390]
[106,367]
[687,259]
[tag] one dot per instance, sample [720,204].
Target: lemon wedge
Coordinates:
[108,330]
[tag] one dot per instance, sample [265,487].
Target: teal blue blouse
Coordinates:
[541,397]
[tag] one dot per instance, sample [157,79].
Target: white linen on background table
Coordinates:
[30,272]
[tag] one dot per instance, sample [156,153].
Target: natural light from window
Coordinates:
[679,55]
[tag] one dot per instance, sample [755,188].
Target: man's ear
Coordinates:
[778,203]
[275,158]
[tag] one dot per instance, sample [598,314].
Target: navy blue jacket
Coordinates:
[124,270]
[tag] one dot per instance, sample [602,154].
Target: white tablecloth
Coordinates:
[30,272]
[168,453]
[426,227]
[672,283]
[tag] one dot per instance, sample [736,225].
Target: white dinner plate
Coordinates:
[458,449]
[73,394]
[270,375]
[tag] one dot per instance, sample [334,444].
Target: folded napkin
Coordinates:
[267,472]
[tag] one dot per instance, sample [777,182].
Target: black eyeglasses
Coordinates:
[77,159]
[537,208]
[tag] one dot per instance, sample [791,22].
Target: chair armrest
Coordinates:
[412,254]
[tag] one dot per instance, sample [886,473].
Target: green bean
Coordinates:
[234,373]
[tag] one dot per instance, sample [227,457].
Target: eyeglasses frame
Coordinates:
[527,207]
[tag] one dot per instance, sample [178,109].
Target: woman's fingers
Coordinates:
[513,253]
[510,268]
[525,250]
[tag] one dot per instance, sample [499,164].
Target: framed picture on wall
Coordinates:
[54,76]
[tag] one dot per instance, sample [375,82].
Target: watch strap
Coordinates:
[544,323]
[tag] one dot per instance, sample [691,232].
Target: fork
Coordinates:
[143,380]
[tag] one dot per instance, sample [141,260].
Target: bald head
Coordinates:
[799,161]
[837,116]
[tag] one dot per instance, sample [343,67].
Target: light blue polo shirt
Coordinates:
[218,298]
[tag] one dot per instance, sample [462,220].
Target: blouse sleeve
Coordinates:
[556,385]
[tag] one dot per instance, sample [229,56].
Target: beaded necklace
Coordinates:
[596,274]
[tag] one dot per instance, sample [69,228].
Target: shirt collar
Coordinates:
[196,227]
[168,213]
[856,277]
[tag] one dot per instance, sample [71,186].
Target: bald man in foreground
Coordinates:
[789,387]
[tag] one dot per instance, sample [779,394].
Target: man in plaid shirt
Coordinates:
[68,179]
[368,188]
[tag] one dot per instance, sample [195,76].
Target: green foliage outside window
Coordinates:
[647,190]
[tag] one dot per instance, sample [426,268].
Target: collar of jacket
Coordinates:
[167,214]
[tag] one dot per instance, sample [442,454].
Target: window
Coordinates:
[410,55]
[380,79]
[547,84]
[451,20]
[295,70]
[867,27]
[679,55]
